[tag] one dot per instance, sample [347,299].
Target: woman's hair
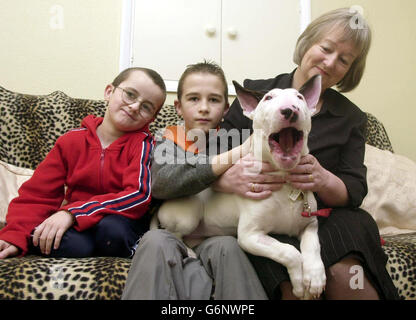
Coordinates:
[203,67]
[157,79]
[354,28]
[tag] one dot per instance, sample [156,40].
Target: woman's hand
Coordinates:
[309,175]
[51,231]
[248,177]
[7,249]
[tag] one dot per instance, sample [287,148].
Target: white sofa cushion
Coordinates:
[391,198]
[11,178]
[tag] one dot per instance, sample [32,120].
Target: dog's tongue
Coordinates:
[286,141]
[285,147]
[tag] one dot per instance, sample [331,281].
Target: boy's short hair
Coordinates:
[156,77]
[355,28]
[203,67]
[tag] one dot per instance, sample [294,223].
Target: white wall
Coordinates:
[67,45]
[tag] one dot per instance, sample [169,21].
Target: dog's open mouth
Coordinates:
[286,144]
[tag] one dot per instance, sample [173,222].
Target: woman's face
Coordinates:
[331,57]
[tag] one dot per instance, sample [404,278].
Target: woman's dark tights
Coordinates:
[340,284]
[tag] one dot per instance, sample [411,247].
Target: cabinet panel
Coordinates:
[249,39]
[170,34]
[262,40]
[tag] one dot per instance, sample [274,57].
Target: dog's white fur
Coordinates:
[212,213]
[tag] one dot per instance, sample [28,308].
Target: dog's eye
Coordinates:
[300,97]
[268,98]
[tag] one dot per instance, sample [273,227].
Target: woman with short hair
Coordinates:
[335,46]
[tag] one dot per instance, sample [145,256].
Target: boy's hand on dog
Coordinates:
[248,177]
[7,249]
[51,231]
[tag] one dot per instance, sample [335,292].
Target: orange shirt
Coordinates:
[177,134]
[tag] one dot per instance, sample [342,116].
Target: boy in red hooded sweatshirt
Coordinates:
[105,167]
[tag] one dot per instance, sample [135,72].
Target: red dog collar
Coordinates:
[320,213]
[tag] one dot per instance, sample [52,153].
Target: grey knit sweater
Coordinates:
[177,173]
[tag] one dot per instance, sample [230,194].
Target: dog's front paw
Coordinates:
[296,275]
[314,279]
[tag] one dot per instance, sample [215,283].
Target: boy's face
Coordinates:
[125,116]
[202,104]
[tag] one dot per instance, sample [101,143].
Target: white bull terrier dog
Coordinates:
[281,123]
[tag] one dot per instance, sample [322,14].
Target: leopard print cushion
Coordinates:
[166,117]
[29,126]
[401,264]
[34,278]
[376,134]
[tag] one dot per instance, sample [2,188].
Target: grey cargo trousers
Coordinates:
[162,270]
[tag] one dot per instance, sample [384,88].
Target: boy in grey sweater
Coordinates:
[161,267]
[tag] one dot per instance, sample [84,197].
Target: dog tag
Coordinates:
[307,209]
[294,194]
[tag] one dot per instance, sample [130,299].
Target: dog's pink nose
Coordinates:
[290,114]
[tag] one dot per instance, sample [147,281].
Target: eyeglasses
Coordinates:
[146,110]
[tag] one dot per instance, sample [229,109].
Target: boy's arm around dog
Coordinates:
[177,173]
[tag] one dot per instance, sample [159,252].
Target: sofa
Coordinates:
[29,126]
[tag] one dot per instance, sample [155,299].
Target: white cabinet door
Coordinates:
[258,37]
[248,38]
[171,34]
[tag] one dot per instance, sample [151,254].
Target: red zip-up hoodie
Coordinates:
[99,182]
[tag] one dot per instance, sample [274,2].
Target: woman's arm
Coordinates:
[310,175]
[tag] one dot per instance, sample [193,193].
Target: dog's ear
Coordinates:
[311,90]
[249,99]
